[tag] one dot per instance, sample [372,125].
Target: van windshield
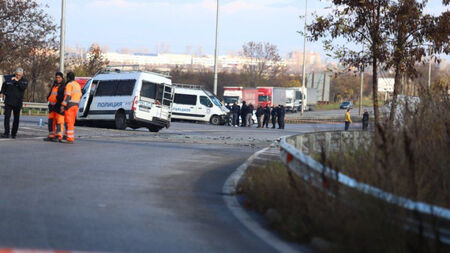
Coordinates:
[215,100]
[230,100]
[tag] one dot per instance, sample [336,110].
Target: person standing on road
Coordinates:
[348,120]
[56,116]
[243,112]
[281,114]
[228,116]
[259,114]
[72,97]
[249,115]
[13,90]
[235,110]
[274,116]
[365,120]
[266,116]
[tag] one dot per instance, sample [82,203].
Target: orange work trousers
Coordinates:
[70,116]
[55,125]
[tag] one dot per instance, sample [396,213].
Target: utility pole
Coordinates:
[63,37]
[216,51]
[304,61]
[429,68]
[361,85]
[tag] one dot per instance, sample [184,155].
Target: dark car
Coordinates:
[346,105]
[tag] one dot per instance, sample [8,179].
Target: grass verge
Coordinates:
[300,212]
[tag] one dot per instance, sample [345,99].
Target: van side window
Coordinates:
[107,88]
[205,101]
[115,88]
[125,87]
[185,99]
[148,89]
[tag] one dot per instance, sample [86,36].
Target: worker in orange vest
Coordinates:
[56,116]
[72,97]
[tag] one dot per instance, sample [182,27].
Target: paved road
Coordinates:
[327,113]
[127,191]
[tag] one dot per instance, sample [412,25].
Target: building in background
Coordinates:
[231,62]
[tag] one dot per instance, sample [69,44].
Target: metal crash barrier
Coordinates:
[296,152]
[29,108]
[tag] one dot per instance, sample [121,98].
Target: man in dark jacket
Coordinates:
[365,120]
[13,90]
[281,113]
[266,116]
[243,112]
[274,116]
[235,110]
[249,116]
[259,114]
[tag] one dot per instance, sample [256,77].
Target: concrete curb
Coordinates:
[229,196]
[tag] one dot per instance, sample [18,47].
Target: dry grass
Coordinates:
[409,160]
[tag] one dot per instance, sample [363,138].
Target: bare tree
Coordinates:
[93,63]
[264,60]
[24,26]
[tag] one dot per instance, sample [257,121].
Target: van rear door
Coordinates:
[86,99]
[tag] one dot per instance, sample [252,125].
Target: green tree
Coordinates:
[408,33]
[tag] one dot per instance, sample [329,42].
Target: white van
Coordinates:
[127,99]
[194,103]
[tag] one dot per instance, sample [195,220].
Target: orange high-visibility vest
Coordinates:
[53,98]
[72,94]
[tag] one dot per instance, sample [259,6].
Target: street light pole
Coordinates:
[429,68]
[361,85]
[217,48]
[304,61]
[63,37]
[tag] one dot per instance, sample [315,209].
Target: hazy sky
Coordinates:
[182,23]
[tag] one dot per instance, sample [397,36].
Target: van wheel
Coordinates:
[215,120]
[154,129]
[120,120]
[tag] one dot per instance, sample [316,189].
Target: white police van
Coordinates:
[127,99]
[194,103]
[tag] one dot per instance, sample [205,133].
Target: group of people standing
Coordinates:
[364,120]
[63,100]
[263,115]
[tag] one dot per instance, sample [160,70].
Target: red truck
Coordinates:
[239,94]
[82,81]
[265,95]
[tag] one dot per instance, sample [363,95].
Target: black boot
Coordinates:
[5,135]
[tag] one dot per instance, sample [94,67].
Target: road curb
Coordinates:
[229,196]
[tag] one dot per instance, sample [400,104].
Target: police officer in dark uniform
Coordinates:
[274,116]
[244,109]
[13,90]
[281,114]
[266,116]
[235,110]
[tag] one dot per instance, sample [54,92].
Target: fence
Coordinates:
[295,154]
[29,108]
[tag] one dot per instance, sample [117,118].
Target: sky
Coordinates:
[189,23]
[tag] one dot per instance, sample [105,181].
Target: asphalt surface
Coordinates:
[128,191]
[328,113]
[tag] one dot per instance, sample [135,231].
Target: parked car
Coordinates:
[346,105]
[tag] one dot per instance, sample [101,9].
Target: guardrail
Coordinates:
[41,108]
[295,154]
